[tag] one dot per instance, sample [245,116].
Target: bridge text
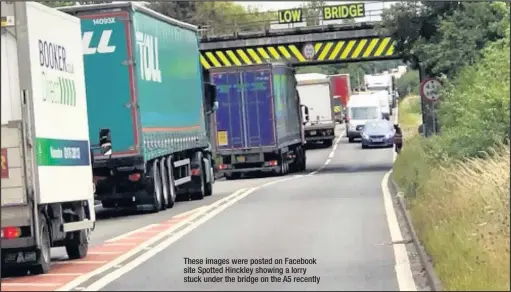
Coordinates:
[344,11]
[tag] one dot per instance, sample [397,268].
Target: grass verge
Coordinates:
[460,208]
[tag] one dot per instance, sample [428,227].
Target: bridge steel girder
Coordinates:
[329,47]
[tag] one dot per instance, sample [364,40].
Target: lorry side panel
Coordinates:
[109,77]
[286,106]
[258,108]
[169,86]
[229,114]
[12,165]
[61,132]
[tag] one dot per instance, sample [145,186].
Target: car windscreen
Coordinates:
[377,127]
[364,113]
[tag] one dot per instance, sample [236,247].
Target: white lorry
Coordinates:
[379,83]
[317,95]
[46,184]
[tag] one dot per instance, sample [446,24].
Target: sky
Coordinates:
[277,5]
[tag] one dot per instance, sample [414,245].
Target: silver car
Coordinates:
[378,133]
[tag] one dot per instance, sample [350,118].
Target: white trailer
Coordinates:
[317,95]
[46,184]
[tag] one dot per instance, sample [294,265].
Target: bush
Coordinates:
[474,112]
[408,83]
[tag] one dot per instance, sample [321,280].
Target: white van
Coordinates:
[361,108]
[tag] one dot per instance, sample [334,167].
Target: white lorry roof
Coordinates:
[310,76]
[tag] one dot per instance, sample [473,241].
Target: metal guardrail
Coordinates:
[312,19]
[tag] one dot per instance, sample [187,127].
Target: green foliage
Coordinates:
[445,36]
[408,83]
[474,112]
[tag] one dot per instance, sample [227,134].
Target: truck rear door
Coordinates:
[258,109]
[245,117]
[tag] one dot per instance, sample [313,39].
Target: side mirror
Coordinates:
[105,142]
[305,114]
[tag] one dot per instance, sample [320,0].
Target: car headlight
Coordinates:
[388,136]
[365,136]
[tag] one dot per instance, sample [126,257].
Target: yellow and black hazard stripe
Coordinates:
[343,50]
[337,109]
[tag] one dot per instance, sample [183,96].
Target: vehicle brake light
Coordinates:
[195,171]
[134,177]
[222,166]
[273,163]
[11,232]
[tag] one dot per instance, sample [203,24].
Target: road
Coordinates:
[334,214]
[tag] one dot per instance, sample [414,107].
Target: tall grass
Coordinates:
[460,208]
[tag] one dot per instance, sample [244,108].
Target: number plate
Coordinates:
[240,158]
[377,140]
[312,132]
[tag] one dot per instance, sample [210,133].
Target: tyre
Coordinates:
[77,245]
[351,139]
[164,184]
[44,260]
[209,185]
[200,193]
[157,187]
[328,143]
[364,146]
[172,186]
[303,166]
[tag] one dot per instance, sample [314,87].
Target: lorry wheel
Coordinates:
[44,260]
[77,246]
[172,186]
[199,194]
[157,188]
[164,184]
[209,185]
[304,160]
[77,242]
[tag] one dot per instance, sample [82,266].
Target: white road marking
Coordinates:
[122,236]
[330,156]
[403,269]
[163,245]
[188,212]
[141,247]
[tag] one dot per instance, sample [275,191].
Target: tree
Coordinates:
[445,36]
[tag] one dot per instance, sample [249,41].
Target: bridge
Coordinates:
[311,41]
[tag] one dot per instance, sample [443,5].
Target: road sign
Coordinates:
[430,88]
[308,51]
